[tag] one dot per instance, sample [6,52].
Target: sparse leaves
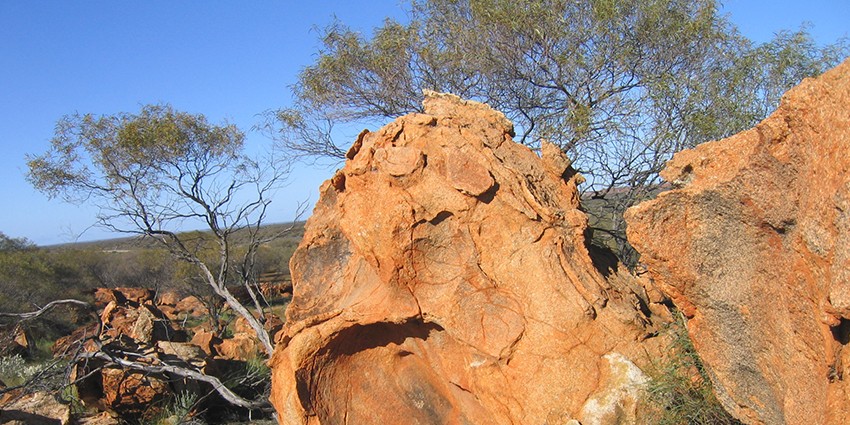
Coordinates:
[153,173]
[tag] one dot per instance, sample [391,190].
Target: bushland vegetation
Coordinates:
[34,276]
[618,85]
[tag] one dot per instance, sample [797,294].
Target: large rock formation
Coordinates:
[753,244]
[444,278]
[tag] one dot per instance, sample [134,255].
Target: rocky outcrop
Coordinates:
[124,295]
[444,278]
[191,306]
[206,341]
[132,327]
[129,323]
[143,323]
[753,245]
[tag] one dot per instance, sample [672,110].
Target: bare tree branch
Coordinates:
[22,317]
[162,368]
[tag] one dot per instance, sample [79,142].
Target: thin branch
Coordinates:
[35,314]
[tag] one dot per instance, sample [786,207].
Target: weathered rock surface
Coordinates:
[143,323]
[130,323]
[38,408]
[177,309]
[206,341]
[125,295]
[444,278]
[192,306]
[133,327]
[132,393]
[242,346]
[753,245]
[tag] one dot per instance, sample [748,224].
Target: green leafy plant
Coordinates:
[69,395]
[250,376]
[258,369]
[15,371]
[183,406]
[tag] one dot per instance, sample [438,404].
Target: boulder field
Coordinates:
[445,276]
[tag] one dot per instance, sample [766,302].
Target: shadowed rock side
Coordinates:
[754,246]
[444,279]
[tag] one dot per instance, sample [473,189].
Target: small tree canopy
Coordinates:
[147,168]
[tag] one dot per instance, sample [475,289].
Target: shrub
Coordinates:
[181,410]
[680,391]
[15,371]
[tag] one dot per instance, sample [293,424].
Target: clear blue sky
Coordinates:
[227,60]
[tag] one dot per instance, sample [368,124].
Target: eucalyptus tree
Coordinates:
[161,171]
[620,85]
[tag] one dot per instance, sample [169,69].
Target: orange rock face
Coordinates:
[134,296]
[132,392]
[206,341]
[192,306]
[753,244]
[444,278]
[168,298]
[241,346]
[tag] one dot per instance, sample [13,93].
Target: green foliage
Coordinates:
[257,369]
[250,379]
[43,349]
[620,85]
[25,275]
[15,371]
[151,174]
[160,170]
[789,58]
[680,391]
[32,375]
[87,268]
[69,395]
[33,276]
[180,410]
[132,156]
[8,244]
